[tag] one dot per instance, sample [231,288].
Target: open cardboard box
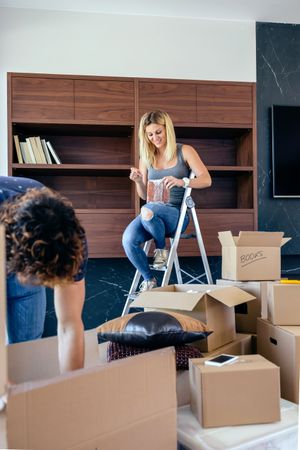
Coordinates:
[246,391]
[126,404]
[252,255]
[246,314]
[211,304]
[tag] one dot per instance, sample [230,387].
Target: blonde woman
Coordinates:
[161,158]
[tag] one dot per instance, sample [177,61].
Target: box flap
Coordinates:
[226,238]
[82,408]
[231,295]
[38,359]
[259,239]
[3,356]
[284,241]
[184,301]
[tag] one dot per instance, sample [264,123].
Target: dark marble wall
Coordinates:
[278,82]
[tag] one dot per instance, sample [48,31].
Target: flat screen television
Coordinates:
[286,151]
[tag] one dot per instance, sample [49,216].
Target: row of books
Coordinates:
[35,150]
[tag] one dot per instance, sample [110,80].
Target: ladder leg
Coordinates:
[173,249]
[177,265]
[201,246]
[135,282]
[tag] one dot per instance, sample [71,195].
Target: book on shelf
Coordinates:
[42,156]
[18,149]
[53,153]
[25,153]
[31,154]
[46,151]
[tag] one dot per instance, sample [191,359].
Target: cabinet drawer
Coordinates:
[104,101]
[224,104]
[104,233]
[37,99]
[177,99]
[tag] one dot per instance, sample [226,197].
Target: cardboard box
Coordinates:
[242,345]
[281,304]
[127,404]
[252,255]
[211,304]
[244,392]
[246,314]
[281,345]
[108,406]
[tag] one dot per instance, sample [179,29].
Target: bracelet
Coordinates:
[186,182]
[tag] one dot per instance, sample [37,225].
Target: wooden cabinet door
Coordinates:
[38,98]
[104,233]
[224,104]
[104,101]
[177,99]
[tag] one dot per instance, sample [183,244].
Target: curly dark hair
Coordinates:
[44,239]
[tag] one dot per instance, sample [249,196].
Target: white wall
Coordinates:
[114,45]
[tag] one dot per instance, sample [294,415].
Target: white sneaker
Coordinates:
[147,285]
[161,256]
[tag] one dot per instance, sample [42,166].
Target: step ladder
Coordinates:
[187,204]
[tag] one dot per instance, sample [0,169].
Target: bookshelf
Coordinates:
[92,124]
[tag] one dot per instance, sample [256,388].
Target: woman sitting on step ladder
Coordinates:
[161,178]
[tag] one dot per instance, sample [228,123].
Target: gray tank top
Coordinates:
[179,171]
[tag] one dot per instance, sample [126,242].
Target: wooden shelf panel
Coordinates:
[91,192]
[105,211]
[230,168]
[104,233]
[104,100]
[41,98]
[73,167]
[229,190]
[221,104]
[210,224]
[178,99]
[114,167]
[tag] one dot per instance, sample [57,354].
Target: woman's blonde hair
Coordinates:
[147,149]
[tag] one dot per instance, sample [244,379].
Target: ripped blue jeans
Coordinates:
[160,224]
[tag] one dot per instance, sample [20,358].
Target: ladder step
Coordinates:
[163,269]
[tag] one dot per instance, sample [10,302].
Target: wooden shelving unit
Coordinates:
[92,123]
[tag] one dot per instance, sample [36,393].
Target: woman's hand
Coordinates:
[171,182]
[136,175]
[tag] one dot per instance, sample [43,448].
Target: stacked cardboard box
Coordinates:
[211,304]
[252,261]
[249,261]
[278,334]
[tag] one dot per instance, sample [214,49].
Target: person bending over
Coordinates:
[45,247]
[161,158]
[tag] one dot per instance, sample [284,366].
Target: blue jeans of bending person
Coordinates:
[26,311]
[158,223]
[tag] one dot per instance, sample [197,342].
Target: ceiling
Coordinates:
[283,11]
